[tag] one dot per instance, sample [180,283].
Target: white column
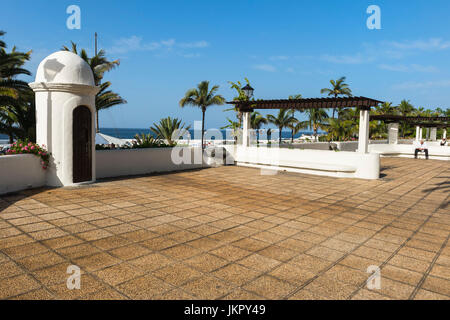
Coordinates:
[427,133]
[246,129]
[444,134]
[417,133]
[393,133]
[433,134]
[421,134]
[363,139]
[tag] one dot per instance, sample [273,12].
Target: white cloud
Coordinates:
[279,58]
[423,85]
[430,44]
[290,70]
[191,55]
[408,68]
[265,67]
[135,43]
[357,58]
[197,44]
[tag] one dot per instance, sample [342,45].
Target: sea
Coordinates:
[129,133]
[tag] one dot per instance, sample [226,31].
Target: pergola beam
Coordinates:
[397,118]
[307,103]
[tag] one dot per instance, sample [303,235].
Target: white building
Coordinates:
[65,117]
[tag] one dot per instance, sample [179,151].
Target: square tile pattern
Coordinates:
[232,233]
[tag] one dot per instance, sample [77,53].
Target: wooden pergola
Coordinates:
[410,119]
[362,103]
[307,103]
[420,122]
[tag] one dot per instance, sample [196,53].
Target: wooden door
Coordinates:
[82,144]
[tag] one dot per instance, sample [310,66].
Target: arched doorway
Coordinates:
[82,144]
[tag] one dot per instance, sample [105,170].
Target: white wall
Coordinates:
[19,172]
[319,162]
[115,163]
[407,150]
[341,145]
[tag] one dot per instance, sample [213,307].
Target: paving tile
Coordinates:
[207,287]
[151,262]
[206,262]
[270,287]
[16,285]
[259,262]
[428,295]
[88,285]
[236,274]
[437,285]
[9,269]
[177,274]
[172,236]
[118,273]
[96,261]
[40,260]
[130,251]
[25,250]
[292,273]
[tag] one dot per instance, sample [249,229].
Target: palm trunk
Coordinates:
[279,138]
[98,128]
[292,135]
[203,125]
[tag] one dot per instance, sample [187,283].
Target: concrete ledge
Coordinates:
[407,151]
[128,162]
[319,162]
[19,172]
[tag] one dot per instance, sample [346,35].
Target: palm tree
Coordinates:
[256,120]
[316,118]
[338,87]
[234,126]
[203,98]
[17,118]
[99,65]
[282,120]
[297,127]
[292,125]
[167,128]
[106,99]
[241,96]
[386,108]
[405,108]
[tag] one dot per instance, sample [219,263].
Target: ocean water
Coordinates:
[129,133]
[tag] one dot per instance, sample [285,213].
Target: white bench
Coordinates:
[286,164]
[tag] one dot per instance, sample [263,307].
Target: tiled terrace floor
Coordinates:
[232,233]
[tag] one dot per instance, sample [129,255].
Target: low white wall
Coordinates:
[329,163]
[341,145]
[127,162]
[404,150]
[19,172]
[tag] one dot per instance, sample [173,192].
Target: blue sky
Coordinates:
[283,47]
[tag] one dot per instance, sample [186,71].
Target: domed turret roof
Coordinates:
[65,67]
